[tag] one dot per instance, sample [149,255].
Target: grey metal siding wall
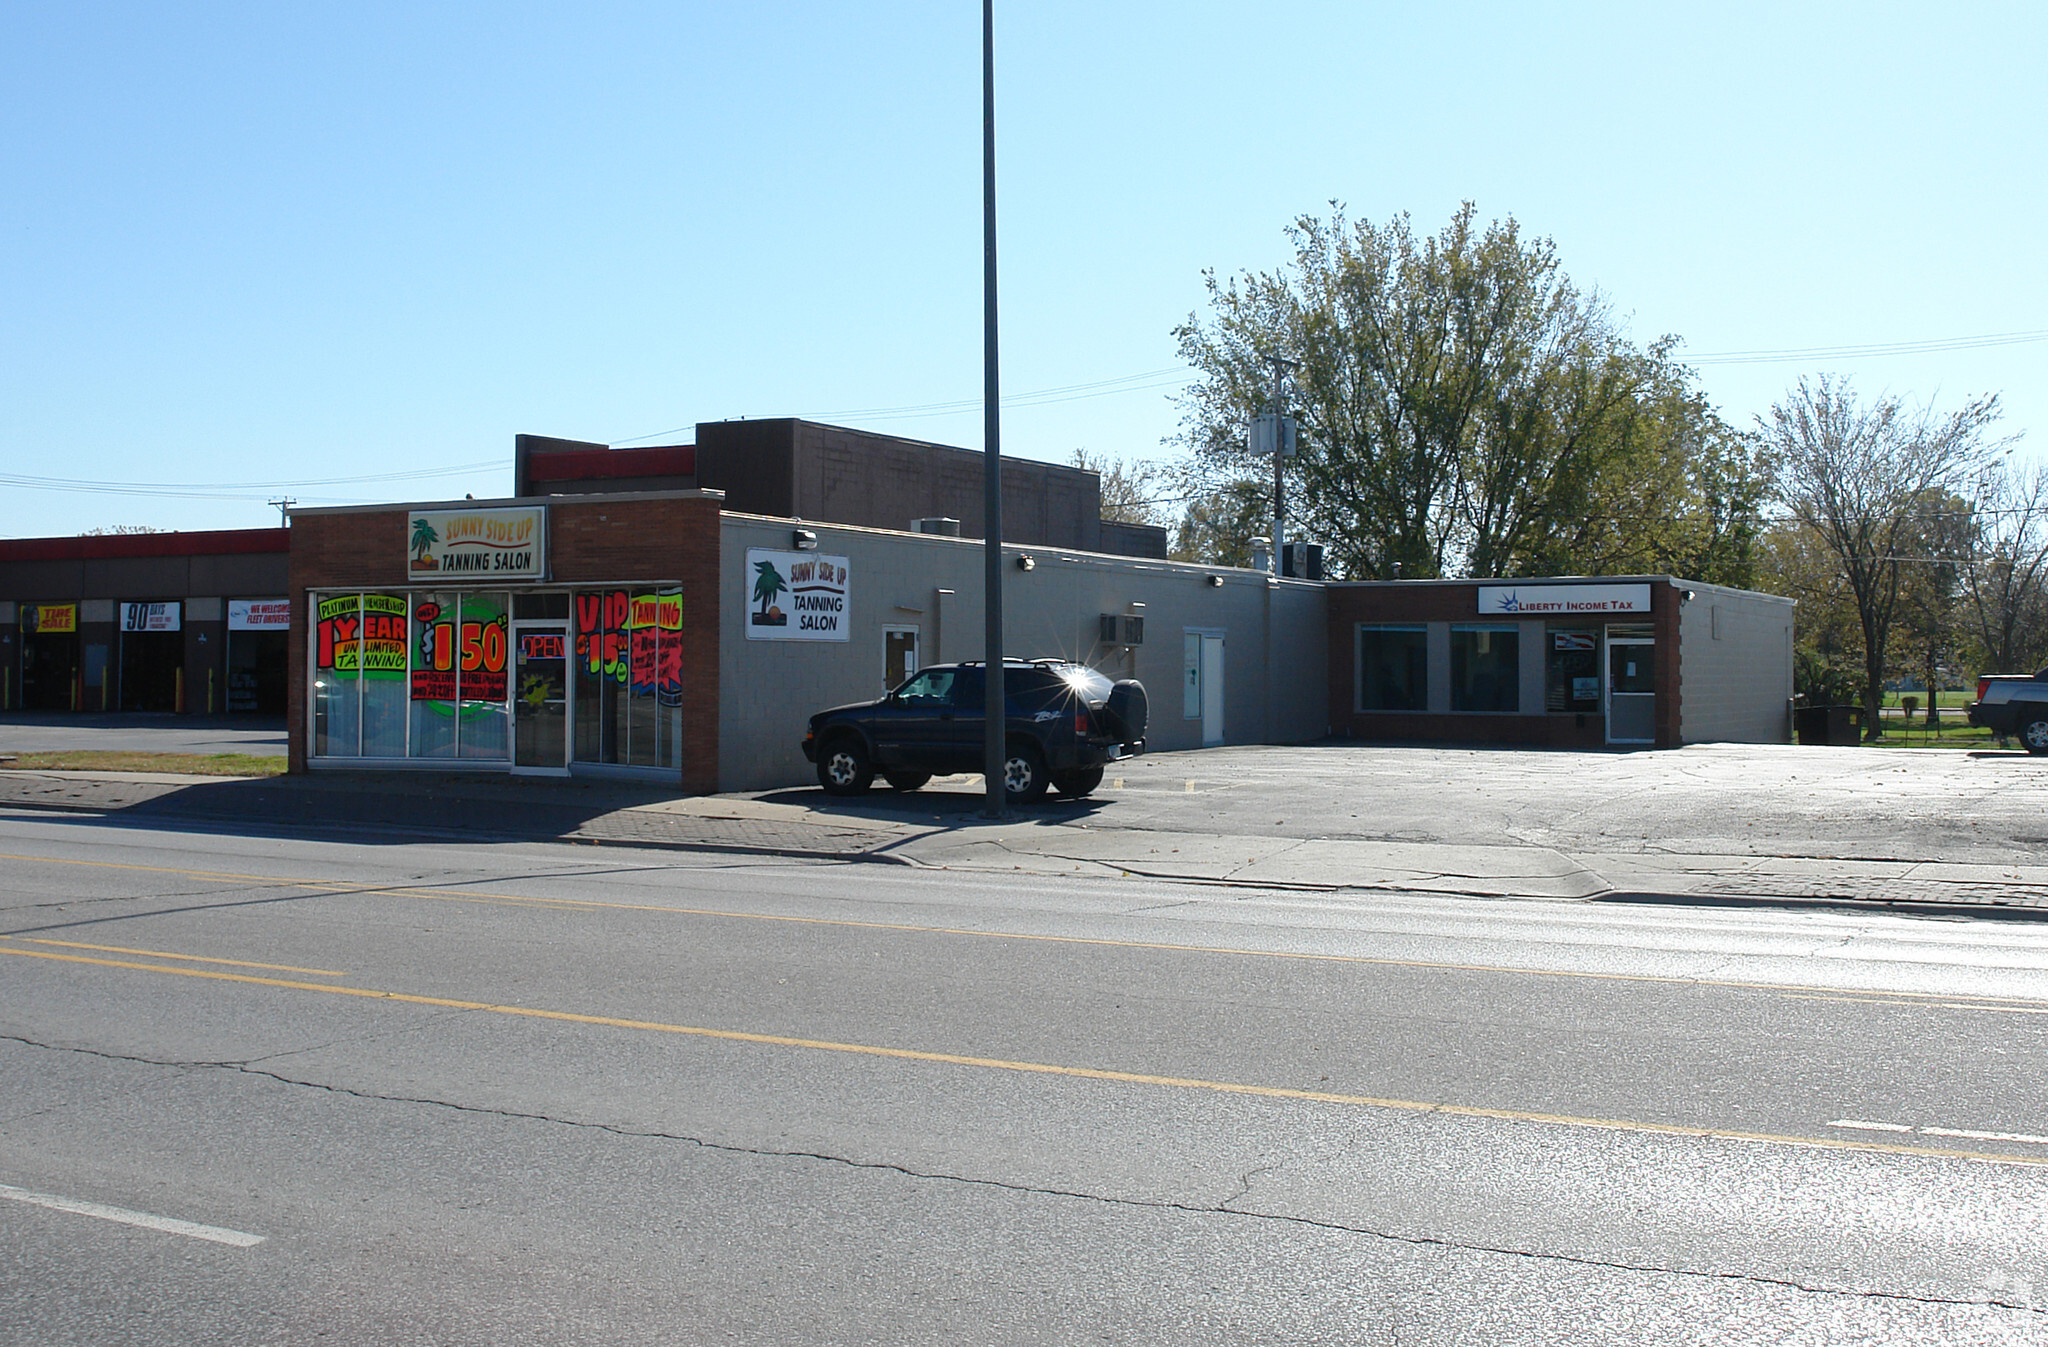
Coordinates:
[1275,664]
[1737,688]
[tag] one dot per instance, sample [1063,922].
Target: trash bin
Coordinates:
[1827,725]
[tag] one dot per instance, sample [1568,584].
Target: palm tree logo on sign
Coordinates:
[768,582]
[423,539]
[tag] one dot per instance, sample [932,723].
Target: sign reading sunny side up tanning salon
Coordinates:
[797,596]
[494,545]
[1563,600]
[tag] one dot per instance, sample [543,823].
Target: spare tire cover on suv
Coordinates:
[1126,710]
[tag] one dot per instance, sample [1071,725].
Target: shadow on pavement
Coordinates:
[372,806]
[958,807]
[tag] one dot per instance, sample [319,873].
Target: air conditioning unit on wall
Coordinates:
[1122,629]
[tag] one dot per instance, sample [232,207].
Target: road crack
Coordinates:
[1245,1181]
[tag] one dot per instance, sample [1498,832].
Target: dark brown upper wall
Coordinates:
[753,463]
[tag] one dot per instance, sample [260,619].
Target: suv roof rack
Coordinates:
[1012,659]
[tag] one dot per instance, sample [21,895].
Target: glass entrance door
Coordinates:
[540,704]
[1631,691]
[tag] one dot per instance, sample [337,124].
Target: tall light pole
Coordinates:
[994,720]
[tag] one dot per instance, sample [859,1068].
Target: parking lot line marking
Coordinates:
[1967,1133]
[148,1221]
[191,958]
[1052,1069]
[579,904]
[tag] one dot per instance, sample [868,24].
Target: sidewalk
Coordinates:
[399,805]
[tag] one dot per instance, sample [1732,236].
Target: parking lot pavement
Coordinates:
[140,732]
[1860,804]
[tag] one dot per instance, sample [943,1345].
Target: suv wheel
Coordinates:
[906,780]
[1024,775]
[1072,785]
[2034,734]
[843,767]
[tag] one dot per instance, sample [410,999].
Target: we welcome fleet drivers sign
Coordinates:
[495,545]
[797,596]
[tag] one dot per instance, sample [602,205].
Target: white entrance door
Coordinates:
[899,655]
[1212,691]
[1631,691]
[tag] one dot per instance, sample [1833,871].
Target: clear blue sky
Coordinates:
[282,243]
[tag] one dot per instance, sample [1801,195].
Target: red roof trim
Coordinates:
[106,546]
[568,465]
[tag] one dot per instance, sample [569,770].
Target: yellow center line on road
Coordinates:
[1071,1072]
[440,893]
[192,958]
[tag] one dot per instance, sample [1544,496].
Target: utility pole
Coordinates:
[284,505]
[995,720]
[1282,445]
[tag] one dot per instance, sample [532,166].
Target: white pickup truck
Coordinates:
[2014,704]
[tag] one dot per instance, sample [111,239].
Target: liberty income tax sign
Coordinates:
[797,596]
[1563,600]
[492,545]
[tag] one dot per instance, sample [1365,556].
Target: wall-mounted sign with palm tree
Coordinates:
[768,582]
[423,539]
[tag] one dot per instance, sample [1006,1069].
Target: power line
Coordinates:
[1764,357]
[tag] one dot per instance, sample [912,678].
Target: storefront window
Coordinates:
[1393,669]
[337,676]
[434,648]
[1571,679]
[383,681]
[484,644]
[1486,668]
[629,690]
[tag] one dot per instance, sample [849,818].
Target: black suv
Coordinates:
[1065,722]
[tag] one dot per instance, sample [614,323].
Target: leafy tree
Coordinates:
[1130,493]
[1464,408]
[111,530]
[2005,588]
[1856,476]
[1222,520]
[1934,551]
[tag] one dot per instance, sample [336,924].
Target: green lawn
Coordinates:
[190,764]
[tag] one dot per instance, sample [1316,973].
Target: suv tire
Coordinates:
[843,767]
[2034,734]
[1024,775]
[1073,785]
[906,780]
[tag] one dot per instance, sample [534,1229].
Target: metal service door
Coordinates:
[1631,691]
[1212,691]
[540,701]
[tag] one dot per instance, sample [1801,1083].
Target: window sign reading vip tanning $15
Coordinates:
[494,545]
[797,596]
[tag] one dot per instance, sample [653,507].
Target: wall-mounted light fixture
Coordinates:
[1026,563]
[1215,582]
[805,540]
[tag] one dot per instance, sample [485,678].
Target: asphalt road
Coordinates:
[438,1093]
